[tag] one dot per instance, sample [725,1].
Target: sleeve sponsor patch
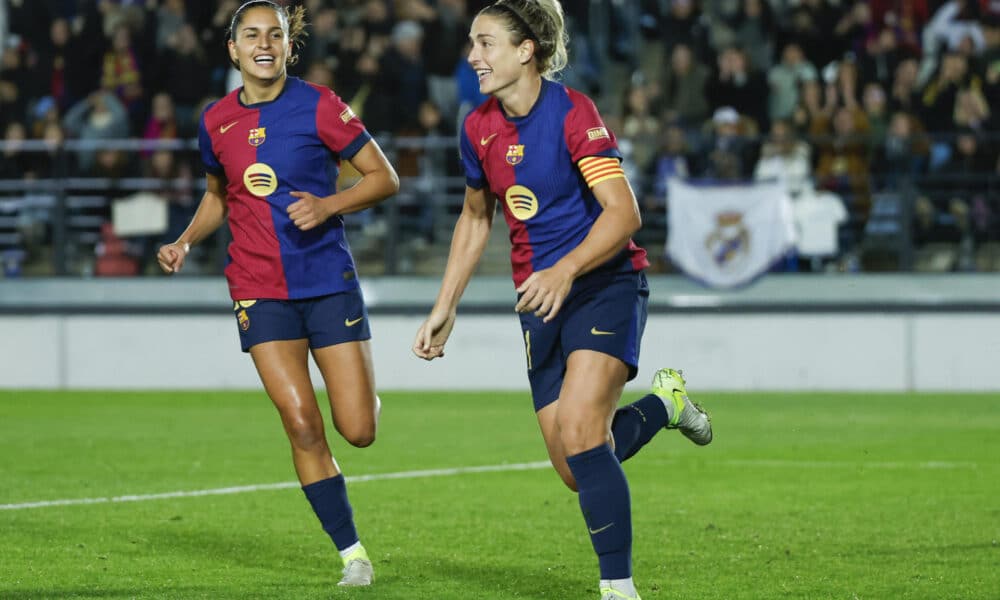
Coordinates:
[347,115]
[597,133]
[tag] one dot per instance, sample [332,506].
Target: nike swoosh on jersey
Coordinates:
[596,331]
[486,140]
[225,128]
[351,323]
[600,529]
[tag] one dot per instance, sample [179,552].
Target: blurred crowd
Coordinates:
[861,101]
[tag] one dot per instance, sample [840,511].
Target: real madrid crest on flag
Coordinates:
[515,154]
[257,136]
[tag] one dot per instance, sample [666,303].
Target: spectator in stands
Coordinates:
[14,79]
[684,82]
[731,153]
[854,28]
[184,73]
[904,93]
[348,72]
[754,29]
[423,170]
[972,111]
[809,26]
[906,18]
[874,103]
[297,293]
[683,24]
[881,56]
[811,111]
[941,93]
[162,123]
[100,116]
[122,74]
[842,85]
[903,155]
[639,124]
[401,83]
[842,166]
[785,158]
[15,163]
[784,80]
[445,28]
[736,84]
[170,17]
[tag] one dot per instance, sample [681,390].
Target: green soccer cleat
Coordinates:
[613,594]
[691,419]
[358,569]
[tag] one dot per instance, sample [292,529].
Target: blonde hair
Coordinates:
[293,23]
[540,21]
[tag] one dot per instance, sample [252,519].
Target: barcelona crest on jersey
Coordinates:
[515,154]
[257,136]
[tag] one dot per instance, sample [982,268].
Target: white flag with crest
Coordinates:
[727,235]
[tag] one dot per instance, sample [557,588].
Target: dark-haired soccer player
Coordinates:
[544,152]
[271,151]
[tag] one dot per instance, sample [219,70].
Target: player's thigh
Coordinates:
[284,370]
[590,392]
[349,375]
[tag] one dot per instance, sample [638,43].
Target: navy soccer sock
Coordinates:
[607,508]
[634,425]
[329,501]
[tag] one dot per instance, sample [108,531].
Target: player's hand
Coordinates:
[171,256]
[309,211]
[543,292]
[432,335]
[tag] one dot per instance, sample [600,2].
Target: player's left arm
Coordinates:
[378,182]
[544,291]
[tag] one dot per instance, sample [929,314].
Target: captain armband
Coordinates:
[596,169]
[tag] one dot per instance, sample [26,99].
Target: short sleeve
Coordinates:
[339,128]
[208,158]
[474,176]
[585,131]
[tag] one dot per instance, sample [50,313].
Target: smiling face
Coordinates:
[260,45]
[498,63]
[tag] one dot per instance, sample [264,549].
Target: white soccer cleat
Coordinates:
[690,418]
[357,572]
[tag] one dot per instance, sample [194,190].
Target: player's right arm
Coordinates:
[472,232]
[211,214]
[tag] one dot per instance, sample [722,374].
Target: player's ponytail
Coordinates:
[540,21]
[293,22]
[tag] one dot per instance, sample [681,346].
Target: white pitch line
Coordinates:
[242,489]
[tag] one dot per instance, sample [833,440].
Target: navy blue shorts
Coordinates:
[324,321]
[605,312]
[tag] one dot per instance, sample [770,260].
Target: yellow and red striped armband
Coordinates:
[596,169]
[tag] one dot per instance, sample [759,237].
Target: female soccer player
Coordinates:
[544,152]
[271,150]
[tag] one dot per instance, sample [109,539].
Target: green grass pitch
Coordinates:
[867,496]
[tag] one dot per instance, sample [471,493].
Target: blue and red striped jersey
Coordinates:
[542,167]
[266,150]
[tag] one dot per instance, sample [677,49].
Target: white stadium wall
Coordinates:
[764,347]
[877,352]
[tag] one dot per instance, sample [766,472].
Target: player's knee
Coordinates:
[305,435]
[360,437]
[578,435]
